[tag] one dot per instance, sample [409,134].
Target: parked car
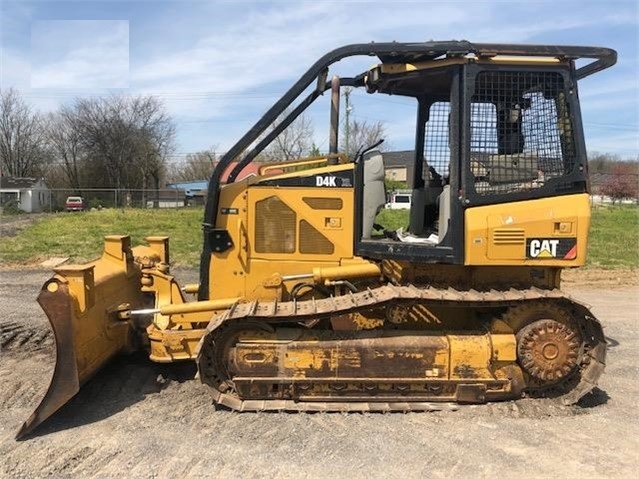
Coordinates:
[399,200]
[75,203]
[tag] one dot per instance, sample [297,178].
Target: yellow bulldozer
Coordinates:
[306,303]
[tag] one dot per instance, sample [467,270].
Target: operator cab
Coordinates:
[488,131]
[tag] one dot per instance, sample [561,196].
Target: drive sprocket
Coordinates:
[560,348]
[548,350]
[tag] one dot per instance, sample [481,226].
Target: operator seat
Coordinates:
[374,197]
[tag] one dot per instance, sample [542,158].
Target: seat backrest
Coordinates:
[374,191]
[418,203]
[444,213]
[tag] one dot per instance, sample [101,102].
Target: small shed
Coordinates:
[30,194]
[167,198]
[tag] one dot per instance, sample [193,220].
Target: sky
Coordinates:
[219,65]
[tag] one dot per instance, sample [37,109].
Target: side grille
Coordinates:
[509,236]
[274,226]
[312,241]
[323,203]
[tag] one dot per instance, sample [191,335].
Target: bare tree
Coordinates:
[296,141]
[153,136]
[104,130]
[114,142]
[195,167]
[21,137]
[602,162]
[361,135]
[66,147]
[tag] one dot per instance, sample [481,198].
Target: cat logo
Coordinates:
[543,248]
[551,248]
[326,181]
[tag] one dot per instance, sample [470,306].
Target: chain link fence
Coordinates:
[52,200]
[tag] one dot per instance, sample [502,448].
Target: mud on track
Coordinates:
[139,419]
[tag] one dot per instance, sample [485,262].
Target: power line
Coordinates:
[613,126]
[203,95]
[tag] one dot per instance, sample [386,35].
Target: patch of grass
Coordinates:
[614,237]
[80,235]
[613,242]
[392,220]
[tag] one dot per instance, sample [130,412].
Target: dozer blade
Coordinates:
[87,306]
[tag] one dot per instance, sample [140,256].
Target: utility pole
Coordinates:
[348,108]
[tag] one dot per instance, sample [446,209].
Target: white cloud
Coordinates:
[268,46]
[15,70]
[219,65]
[81,54]
[622,143]
[251,61]
[615,87]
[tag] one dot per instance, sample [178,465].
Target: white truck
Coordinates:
[399,200]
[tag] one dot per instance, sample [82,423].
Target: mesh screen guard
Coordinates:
[520,131]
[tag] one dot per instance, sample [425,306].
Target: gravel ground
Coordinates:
[140,419]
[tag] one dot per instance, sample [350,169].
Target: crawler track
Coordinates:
[403,394]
